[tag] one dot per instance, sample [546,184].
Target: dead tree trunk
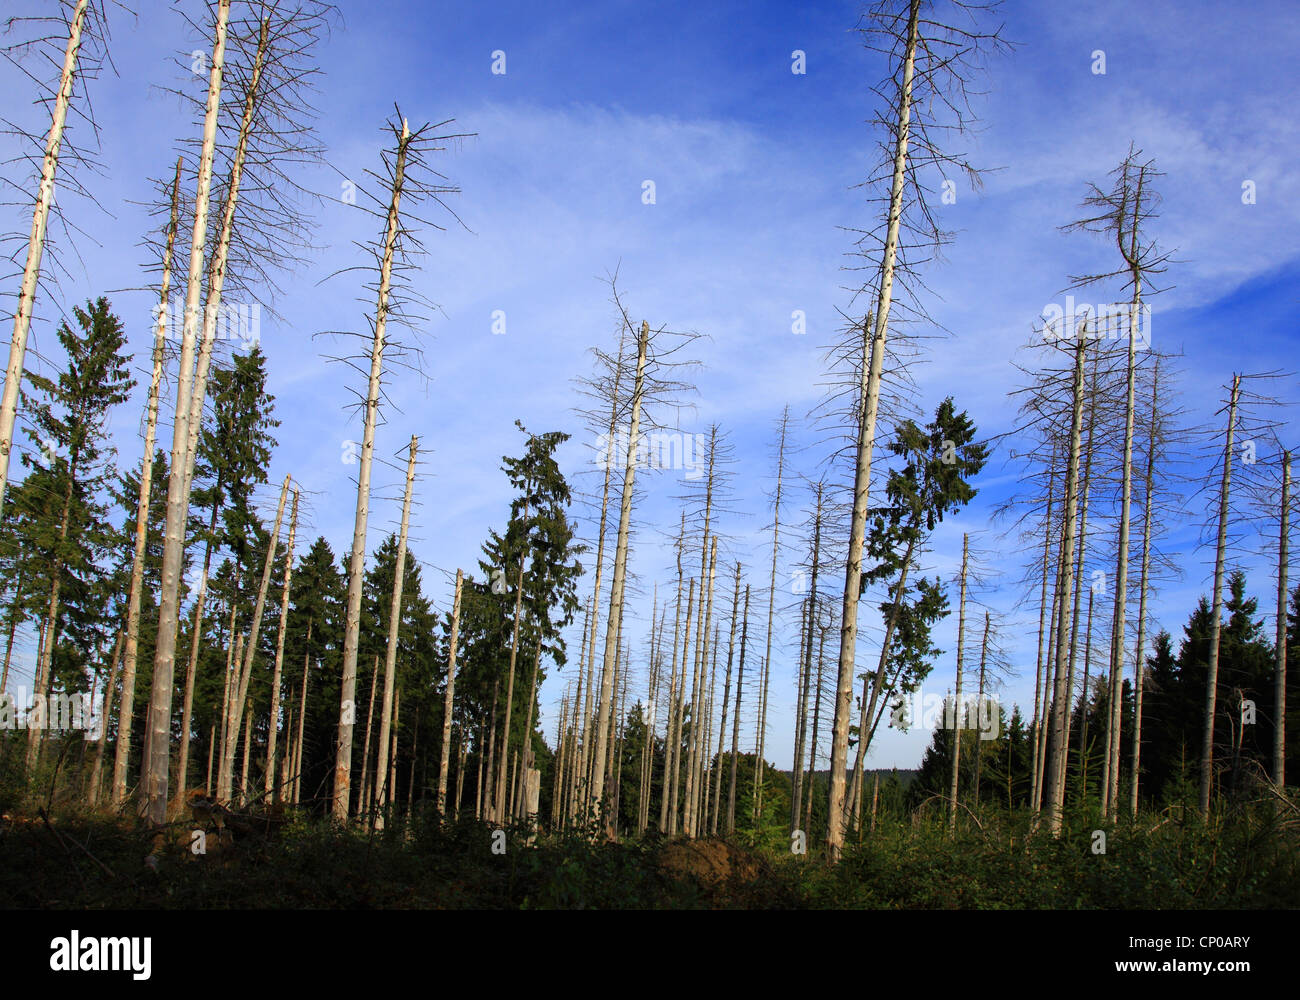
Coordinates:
[870,404]
[1279,663]
[122,752]
[240,691]
[1055,780]
[356,563]
[620,572]
[276,674]
[1220,551]
[386,721]
[760,743]
[1139,666]
[36,244]
[449,698]
[735,721]
[153,777]
[958,709]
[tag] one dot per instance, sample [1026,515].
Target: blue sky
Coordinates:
[754,170]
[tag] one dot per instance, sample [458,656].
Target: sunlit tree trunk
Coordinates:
[620,571]
[870,403]
[356,562]
[122,751]
[153,775]
[36,244]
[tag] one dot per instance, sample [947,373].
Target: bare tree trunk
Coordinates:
[757,808]
[620,570]
[122,751]
[45,661]
[363,804]
[681,708]
[212,745]
[1055,778]
[866,443]
[240,690]
[153,776]
[528,721]
[958,708]
[187,703]
[1220,550]
[1110,795]
[279,654]
[212,306]
[356,563]
[979,707]
[98,770]
[593,620]
[502,806]
[1139,666]
[699,708]
[1279,663]
[248,751]
[13,626]
[735,721]
[816,710]
[36,243]
[488,792]
[726,701]
[302,715]
[1083,710]
[667,803]
[394,621]
[1042,632]
[1081,539]
[449,698]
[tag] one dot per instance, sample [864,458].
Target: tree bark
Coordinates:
[36,243]
[153,777]
[356,563]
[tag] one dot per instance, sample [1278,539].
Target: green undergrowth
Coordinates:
[85,860]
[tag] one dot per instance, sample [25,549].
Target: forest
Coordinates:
[901,641]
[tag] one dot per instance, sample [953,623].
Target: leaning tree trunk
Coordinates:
[356,564]
[614,619]
[386,722]
[1220,550]
[36,243]
[866,441]
[153,777]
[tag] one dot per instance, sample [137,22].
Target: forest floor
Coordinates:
[90,861]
